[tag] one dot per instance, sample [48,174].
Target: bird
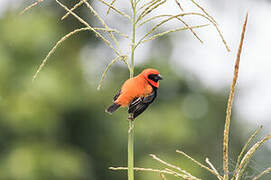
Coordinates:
[137,93]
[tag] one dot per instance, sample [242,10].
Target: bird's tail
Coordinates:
[112,108]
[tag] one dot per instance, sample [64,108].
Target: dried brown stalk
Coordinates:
[173,30]
[200,164]
[266,171]
[31,6]
[141,169]
[248,156]
[55,47]
[244,148]
[72,9]
[229,106]
[178,3]
[204,11]
[174,167]
[214,169]
[112,3]
[163,177]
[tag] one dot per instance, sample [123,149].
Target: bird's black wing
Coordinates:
[140,104]
[116,96]
[134,104]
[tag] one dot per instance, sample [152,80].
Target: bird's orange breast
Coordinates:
[133,88]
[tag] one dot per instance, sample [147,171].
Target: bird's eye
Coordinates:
[154,77]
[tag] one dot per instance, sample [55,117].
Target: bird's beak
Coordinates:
[160,77]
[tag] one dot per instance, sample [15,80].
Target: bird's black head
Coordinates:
[155,77]
[152,76]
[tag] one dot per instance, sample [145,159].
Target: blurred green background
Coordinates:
[56,128]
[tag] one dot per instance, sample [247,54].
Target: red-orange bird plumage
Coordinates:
[137,93]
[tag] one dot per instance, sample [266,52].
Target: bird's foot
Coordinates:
[131,117]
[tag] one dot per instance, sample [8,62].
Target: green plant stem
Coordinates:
[133,39]
[131,122]
[131,151]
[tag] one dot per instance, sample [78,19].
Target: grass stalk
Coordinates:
[115,9]
[173,30]
[247,157]
[204,11]
[133,38]
[145,5]
[244,149]
[248,142]
[112,3]
[131,150]
[150,8]
[88,27]
[94,12]
[174,16]
[163,171]
[131,122]
[187,26]
[52,51]
[170,17]
[185,174]
[30,6]
[179,5]
[182,176]
[72,9]
[229,106]
[108,43]
[266,171]
[105,71]
[163,22]
[213,171]
[163,177]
